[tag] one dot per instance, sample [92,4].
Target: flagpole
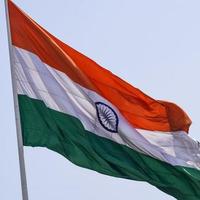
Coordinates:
[17,114]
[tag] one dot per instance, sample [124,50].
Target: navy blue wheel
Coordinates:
[107,117]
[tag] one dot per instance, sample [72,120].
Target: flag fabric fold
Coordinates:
[73,106]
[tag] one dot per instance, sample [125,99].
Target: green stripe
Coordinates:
[66,135]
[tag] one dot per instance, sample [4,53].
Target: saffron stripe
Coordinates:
[139,109]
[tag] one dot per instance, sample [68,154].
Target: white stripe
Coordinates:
[40,81]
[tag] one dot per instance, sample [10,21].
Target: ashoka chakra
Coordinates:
[107,117]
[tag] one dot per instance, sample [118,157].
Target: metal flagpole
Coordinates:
[16,108]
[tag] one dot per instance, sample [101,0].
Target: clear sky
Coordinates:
[154,45]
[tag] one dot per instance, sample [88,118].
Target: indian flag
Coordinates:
[73,106]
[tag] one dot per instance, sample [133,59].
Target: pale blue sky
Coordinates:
[154,45]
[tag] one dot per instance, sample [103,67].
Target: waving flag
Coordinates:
[71,105]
